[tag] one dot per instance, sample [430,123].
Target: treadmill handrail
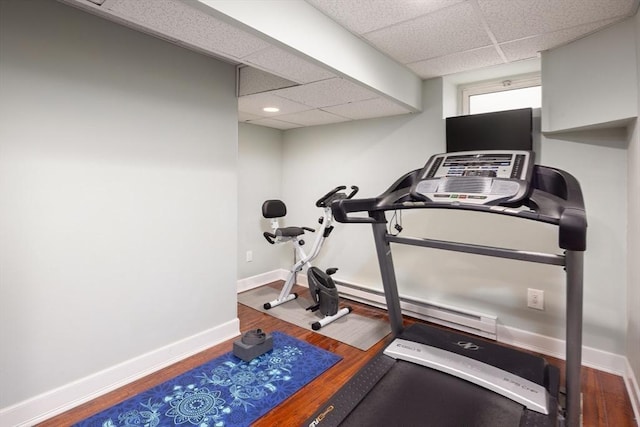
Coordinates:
[555,198]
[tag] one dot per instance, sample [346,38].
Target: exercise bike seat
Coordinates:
[289,231]
[277,209]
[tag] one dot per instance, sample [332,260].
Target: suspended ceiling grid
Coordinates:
[431,38]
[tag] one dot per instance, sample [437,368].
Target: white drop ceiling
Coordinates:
[430,37]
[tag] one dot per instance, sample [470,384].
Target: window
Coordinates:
[503,94]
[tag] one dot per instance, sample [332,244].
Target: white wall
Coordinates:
[259,179]
[593,84]
[633,284]
[598,159]
[370,154]
[118,199]
[581,77]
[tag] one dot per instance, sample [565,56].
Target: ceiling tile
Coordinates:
[253,104]
[312,118]
[181,22]
[514,19]
[287,65]
[432,37]
[454,29]
[326,93]
[251,80]
[529,47]
[362,16]
[274,123]
[377,107]
[457,62]
[243,117]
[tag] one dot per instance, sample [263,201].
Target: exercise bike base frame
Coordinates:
[277,302]
[316,326]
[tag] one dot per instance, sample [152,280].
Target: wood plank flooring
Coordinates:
[605,400]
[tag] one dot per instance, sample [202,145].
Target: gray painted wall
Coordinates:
[118,198]
[633,279]
[259,179]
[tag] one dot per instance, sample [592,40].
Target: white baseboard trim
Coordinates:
[57,401]
[633,390]
[476,323]
[261,279]
[591,357]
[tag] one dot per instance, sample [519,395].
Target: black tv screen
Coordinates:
[501,130]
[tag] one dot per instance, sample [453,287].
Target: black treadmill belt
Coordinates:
[410,395]
[390,392]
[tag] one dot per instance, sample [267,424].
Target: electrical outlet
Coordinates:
[535,299]
[249,256]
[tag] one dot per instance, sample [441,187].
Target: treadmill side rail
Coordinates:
[529,394]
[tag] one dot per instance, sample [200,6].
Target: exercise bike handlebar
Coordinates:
[327,199]
[270,237]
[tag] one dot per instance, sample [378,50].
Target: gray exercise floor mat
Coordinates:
[355,330]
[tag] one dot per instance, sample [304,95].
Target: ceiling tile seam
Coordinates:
[259,51]
[485,25]
[461,52]
[305,124]
[616,19]
[315,107]
[277,120]
[336,114]
[300,83]
[311,107]
[266,70]
[271,118]
[268,91]
[249,63]
[283,113]
[415,18]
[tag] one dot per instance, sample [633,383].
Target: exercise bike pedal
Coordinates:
[313,308]
[331,271]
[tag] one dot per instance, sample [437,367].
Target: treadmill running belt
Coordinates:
[394,392]
[410,395]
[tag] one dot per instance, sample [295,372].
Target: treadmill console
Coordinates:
[475,177]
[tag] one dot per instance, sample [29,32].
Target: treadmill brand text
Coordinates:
[408,347]
[320,417]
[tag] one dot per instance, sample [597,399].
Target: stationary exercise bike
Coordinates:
[321,285]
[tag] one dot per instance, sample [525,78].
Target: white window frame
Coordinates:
[495,85]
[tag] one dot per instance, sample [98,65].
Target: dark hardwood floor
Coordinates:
[605,400]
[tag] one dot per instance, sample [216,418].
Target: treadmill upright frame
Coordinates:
[555,197]
[572,261]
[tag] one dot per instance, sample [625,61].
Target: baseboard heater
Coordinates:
[466,321]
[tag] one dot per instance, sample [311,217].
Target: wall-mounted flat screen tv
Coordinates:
[500,130]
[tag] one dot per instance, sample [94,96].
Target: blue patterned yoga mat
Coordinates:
[224,392]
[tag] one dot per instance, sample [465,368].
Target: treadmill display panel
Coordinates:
[475,177]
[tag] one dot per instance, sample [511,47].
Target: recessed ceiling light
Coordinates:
[271,109]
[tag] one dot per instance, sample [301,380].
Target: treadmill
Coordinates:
[429,376]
